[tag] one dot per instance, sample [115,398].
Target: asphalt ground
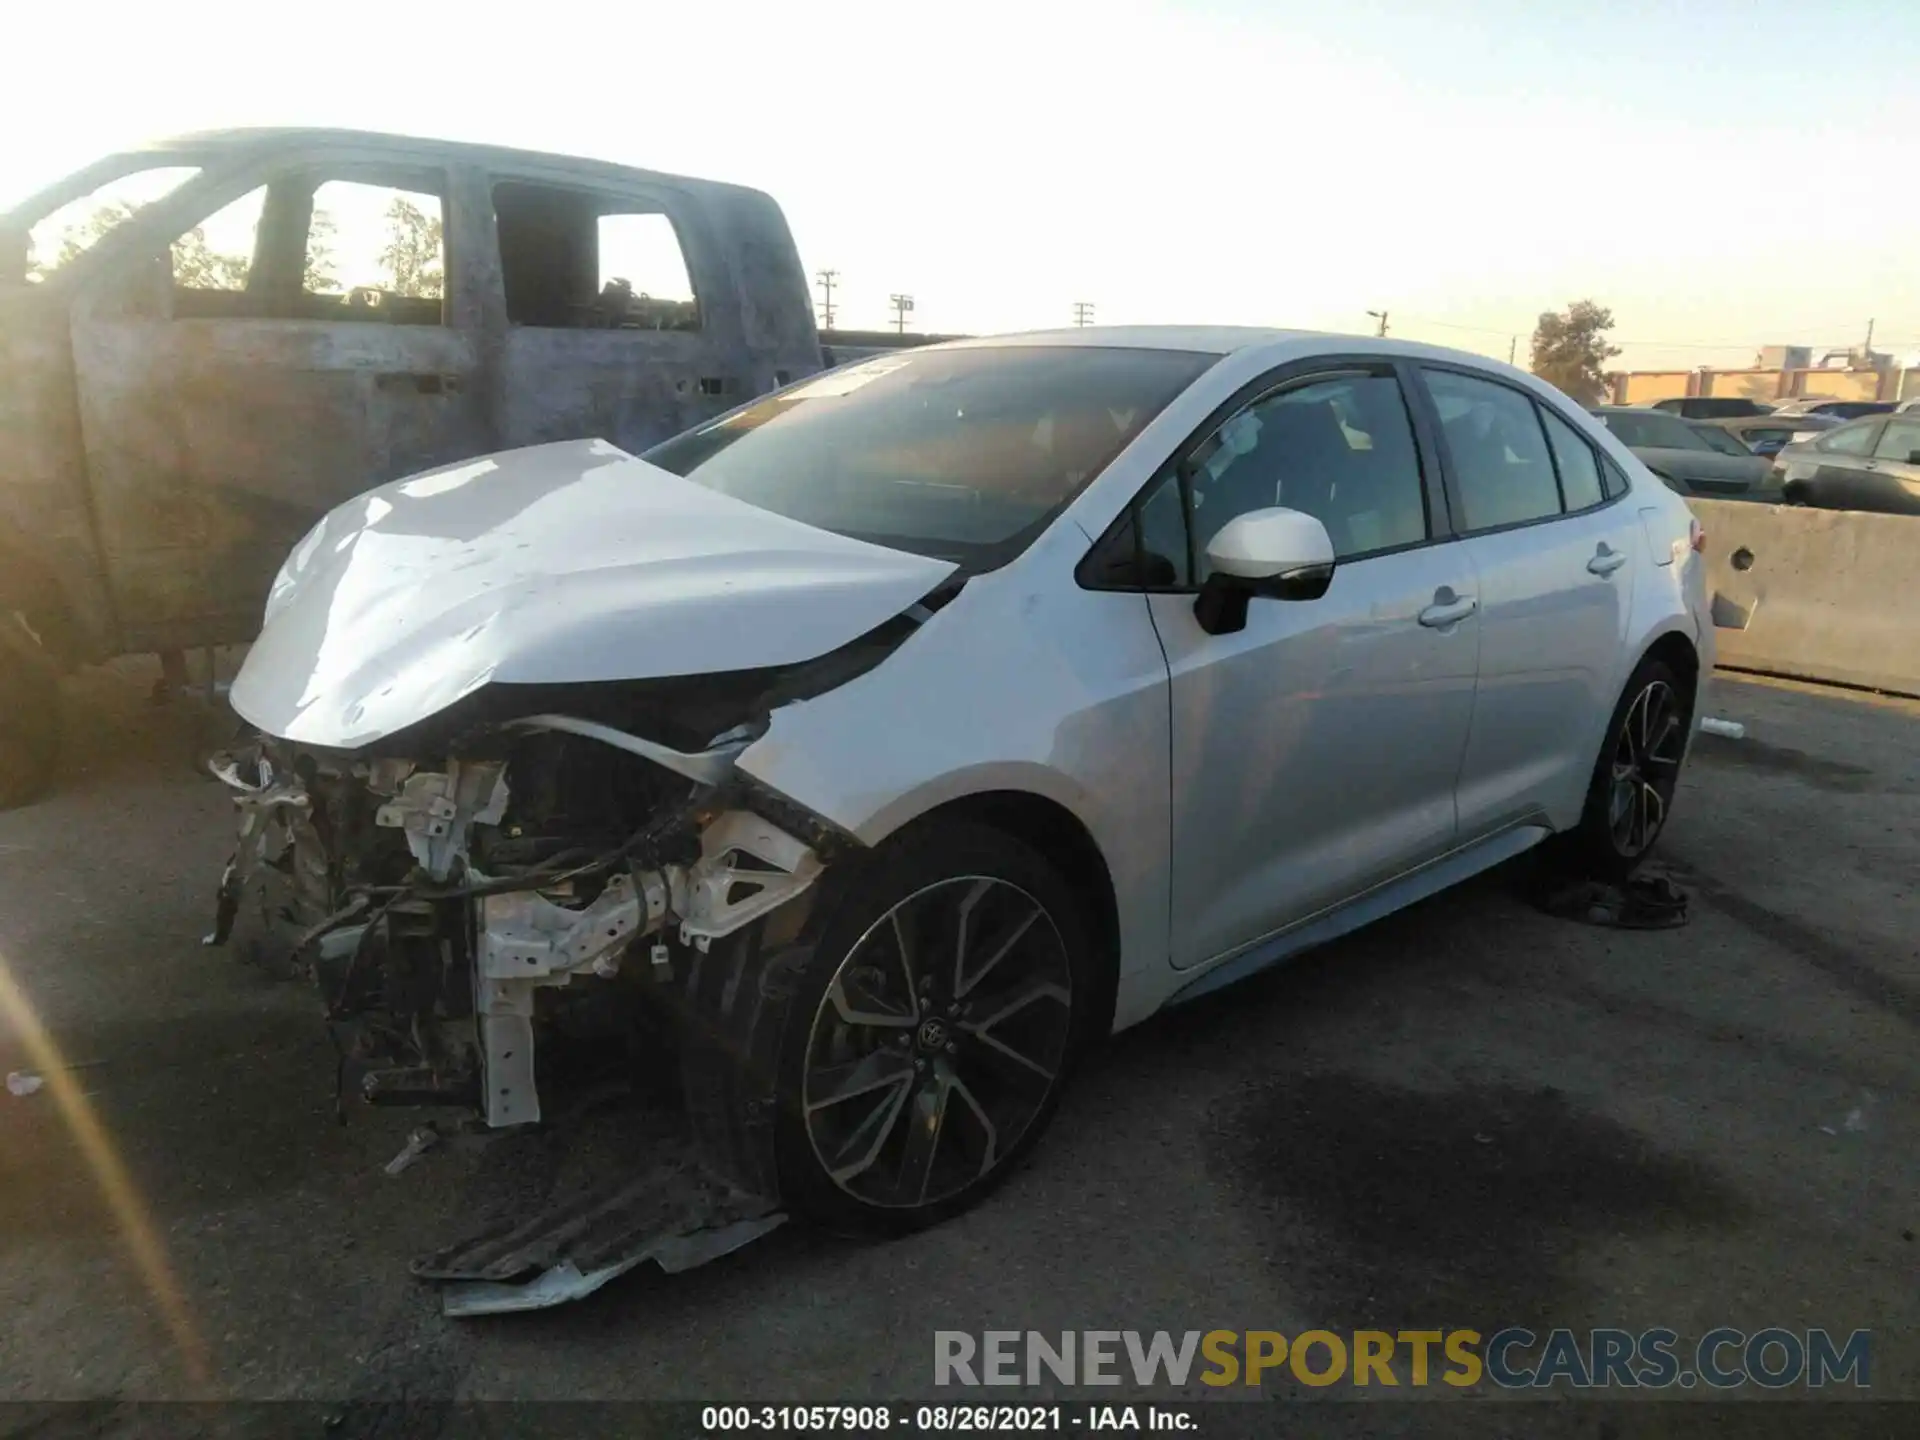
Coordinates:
[1469,1115]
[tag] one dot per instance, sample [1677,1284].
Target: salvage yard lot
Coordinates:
[1470,1114]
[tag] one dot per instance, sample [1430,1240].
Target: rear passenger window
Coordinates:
[1614,478]
[577,260]
[1500,460]
[1579,470]
[374,252]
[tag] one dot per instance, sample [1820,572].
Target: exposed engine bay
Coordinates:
[433,899]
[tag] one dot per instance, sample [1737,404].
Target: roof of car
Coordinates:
[234,143]
[1730,421]
[1226,340]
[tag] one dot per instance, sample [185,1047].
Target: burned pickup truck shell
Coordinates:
[163,445]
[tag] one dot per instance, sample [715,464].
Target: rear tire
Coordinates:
[29,715]
[1631,792]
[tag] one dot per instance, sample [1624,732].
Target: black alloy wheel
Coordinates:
[933,1031]
[1644,769]
[939,1040]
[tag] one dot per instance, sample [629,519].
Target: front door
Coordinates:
[1314,751]
[1557,556]
[304,342]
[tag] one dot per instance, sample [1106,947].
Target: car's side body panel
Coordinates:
[1091,688]
[1023,682]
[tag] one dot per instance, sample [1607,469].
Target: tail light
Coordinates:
[1696,537]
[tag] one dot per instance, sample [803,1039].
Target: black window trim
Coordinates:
[1450,479]
[1290,376]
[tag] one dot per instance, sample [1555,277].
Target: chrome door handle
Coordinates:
[1606,562]
[1448,612]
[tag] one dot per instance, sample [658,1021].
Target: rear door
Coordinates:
[1314,751]
[1555,554]
[301,342]
[621,318]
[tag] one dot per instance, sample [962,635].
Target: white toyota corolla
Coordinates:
[901,732]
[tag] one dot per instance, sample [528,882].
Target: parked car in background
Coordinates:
[1716,438]
[1711,407]
[1837,409]
[207,344]
[1871,464]
[1674,451]
[826,699]
[1764,435]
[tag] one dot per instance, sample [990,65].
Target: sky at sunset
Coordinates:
[1722,174]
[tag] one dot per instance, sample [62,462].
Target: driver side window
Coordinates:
[1339,448]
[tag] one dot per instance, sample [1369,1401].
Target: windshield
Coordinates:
[962,454]
[55,238]
[1652,430]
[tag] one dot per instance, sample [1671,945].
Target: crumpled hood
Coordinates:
[562,563]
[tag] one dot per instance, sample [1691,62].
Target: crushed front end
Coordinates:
[440,902]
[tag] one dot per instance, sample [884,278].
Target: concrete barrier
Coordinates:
[1815,594]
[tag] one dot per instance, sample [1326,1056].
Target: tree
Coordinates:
[1570,350]
[197,266]
[412,256]
[80,237]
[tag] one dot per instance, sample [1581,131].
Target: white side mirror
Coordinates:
[1270,544]
[1276,554]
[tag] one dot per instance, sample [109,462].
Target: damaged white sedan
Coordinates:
[901,732]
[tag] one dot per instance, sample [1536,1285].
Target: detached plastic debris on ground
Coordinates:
[677,1215]
[24,1082]
[1726,729]
[418,1143]
[1641,902]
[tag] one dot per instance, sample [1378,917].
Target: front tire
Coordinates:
[1631,793]
[932,1030]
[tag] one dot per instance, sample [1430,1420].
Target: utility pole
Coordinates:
[1082,312]
[1381,316]
[825,279]
[1513,345]
[902,307]
[1868,347]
